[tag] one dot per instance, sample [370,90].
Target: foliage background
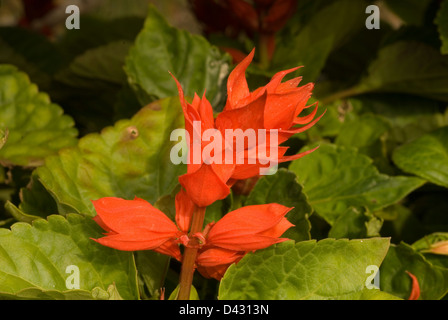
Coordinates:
[88,113]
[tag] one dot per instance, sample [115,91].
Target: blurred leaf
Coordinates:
[36,127]
[283,188]
[129,159]
[96,32]
[442,23]
[400,223]
[408,67]
[307,270]
[160,49]
[362,131]
[31,53]
[433,280]
[410,11]
[335,178]
[114,9]
[312,43]
[426,157]
[356,224]
[35,202]
[102,63]
[408,116]
[35,260]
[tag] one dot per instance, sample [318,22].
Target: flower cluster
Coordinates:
[132,225]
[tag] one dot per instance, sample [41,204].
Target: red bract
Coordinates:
[276,106]
[272,112]
[415,291]
[204,183]
[133,225]
[238,232]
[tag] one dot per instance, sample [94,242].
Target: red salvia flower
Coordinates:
[134,225]
[276,106]
[204,183]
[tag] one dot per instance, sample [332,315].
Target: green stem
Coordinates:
[189,258]
[263,44]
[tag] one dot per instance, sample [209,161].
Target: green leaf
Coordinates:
[434,248]
[36,127]
[433,280]
[356,224]
[408,116]
[38,261]
[336,178]
[31,52]
[362,131]
[127,160]
[193,294]
[427,242]
[283,188]
[152,268]
[426,157]
[328,269]
[423,73]
[102,63]
[160,49]
[312,43]
[442,23]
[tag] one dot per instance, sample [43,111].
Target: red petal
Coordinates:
[122,215]
[170,248]
[216,272]
[133,241]
[204,186]
[237,87]
[304,128]
[184,210]
[250,116]
[217,256]
[275,85]
[246,228]
[415,292]
[133,224]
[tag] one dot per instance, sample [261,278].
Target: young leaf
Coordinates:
[335,178]
[426,157]
[129,159]
[160,49]
[47,260]
[36,127]
[328,269]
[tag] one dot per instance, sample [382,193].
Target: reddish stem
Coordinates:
[189,257]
